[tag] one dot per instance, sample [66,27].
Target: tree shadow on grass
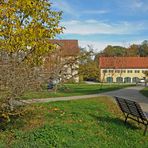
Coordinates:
[116,121]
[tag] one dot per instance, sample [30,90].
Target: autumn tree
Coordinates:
[88,67]
[60,69]
[144,48]
[133,50]
[25,29]
[111,51]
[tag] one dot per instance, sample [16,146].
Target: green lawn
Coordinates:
[90,123]
[74,90]
[145,91]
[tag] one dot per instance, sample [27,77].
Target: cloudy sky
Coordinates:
[102,22]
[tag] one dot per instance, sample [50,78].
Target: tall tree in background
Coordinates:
[133,50]
[88,65]
[25,29]
[112,51]
[144,48]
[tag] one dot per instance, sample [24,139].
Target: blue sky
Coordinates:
[104,22]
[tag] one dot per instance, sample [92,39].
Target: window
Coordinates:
[137,71]
[104,71]
[143,71]
[123,71]
[119,80]
[127,80]
[129,71]
[111,71]
[117,71]
[109,80]
[135,79]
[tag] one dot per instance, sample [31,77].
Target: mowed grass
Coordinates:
[145,91]
[73,90]
[95,123]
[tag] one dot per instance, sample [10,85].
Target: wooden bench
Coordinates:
[132,110]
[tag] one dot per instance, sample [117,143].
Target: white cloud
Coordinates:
[65,7]
[95,11]
[97,27]
[98,46]
[134,5]
[137,4]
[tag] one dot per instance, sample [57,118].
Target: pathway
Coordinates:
[129,93]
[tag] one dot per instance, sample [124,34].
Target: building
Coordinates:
[61,62]
[122,69]
[68,48]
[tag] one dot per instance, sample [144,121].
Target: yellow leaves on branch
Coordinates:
[28,23]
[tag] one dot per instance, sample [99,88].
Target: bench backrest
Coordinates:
[130,107]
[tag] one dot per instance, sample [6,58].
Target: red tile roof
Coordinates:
[68,47]
[123,62]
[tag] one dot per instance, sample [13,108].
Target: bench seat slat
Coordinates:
[124,108]
[131,107]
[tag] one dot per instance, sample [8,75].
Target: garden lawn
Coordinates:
[145,91]
[74,90]
[94,122]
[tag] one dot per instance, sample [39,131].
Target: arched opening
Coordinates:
[135,80]
[127,80]
[119,80]
[109,80]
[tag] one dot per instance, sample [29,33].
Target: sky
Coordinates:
[104,22]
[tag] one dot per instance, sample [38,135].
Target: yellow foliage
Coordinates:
[26,26]
[28,23]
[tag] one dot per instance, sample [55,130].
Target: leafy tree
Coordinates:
[29,24]
[145,42]
[111,51]
[61,68]
[25,29]
[119,51]
[88,67]
[144,48]
[133,50]
[138,50]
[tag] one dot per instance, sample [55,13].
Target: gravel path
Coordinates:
[129,93]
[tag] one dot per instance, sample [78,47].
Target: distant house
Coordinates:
[67,47]
[61,61]
[122,69]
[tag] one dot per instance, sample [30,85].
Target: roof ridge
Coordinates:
[123,62]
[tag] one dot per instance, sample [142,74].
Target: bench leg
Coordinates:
[145,130]
[138,121]
[126,116]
